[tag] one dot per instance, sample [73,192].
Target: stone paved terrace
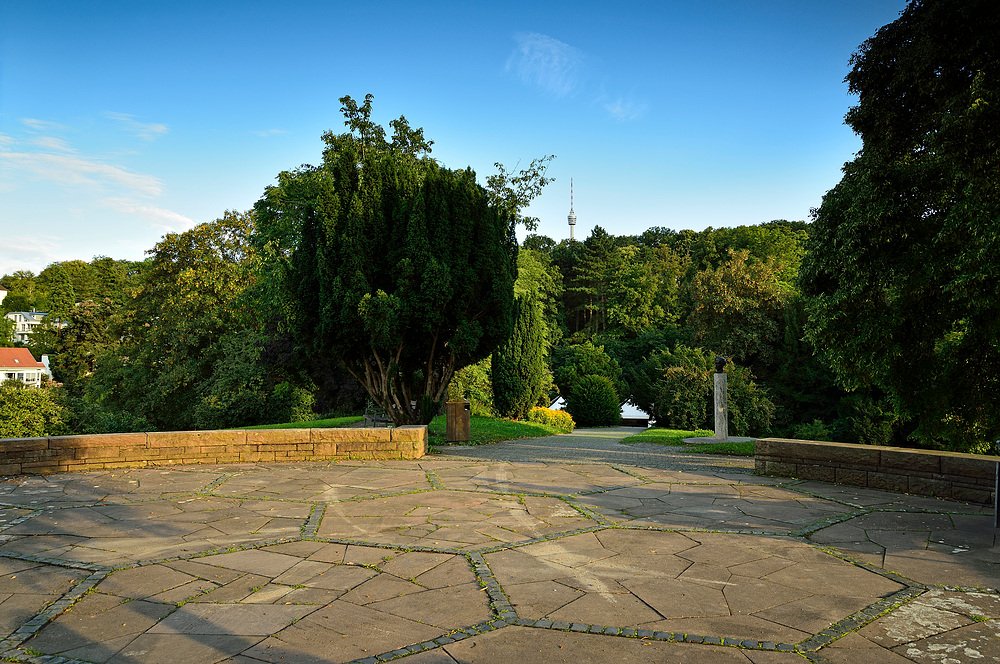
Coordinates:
[570,548]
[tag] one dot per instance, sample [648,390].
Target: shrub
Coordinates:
[29,412]
[594,402]
[571,363]
[555,418]
[814,430]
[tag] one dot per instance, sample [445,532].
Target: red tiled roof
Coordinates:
[19,358]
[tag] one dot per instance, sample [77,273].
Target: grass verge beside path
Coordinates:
[485,430]
[315,424]
[666,436]
[675,437]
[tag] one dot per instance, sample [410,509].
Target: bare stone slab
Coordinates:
[233,619]
[522,644]
[172,648]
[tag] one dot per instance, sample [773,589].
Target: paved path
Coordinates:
[569,548]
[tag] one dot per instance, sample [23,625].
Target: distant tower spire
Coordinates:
[572,215]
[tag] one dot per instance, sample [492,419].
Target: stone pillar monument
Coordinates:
[721,400]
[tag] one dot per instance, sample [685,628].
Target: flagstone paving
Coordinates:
[569,548]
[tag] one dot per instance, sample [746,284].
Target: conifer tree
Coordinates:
[519,367]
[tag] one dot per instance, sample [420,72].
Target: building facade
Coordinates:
[19,364]
[25,323]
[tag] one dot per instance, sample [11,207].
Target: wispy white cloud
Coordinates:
[626,110]
[268,132]
[159,217]
[42,125]
[144,130]
[67,169]
[19,252]
[546,62]
[53,143]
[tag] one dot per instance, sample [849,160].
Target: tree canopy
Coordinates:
[903,269]
[401,268]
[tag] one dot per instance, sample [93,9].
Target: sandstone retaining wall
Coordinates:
[969,477]
[132,450]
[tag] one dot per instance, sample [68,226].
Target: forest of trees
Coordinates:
[383,276]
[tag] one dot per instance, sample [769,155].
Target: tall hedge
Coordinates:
[519,368]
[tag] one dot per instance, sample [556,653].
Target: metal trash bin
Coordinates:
[457,421]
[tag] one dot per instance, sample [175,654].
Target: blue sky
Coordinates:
[122,121]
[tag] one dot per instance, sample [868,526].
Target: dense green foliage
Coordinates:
[902,271]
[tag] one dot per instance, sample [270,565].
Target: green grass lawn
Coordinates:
[484,430]
[315,424]
[676,437]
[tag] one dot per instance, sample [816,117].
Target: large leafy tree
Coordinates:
[736,309]
[192,293]
[904,263]
[399,267]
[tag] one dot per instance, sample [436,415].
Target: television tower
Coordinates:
[572,215]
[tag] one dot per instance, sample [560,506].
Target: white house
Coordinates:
[25,323]
[19,364]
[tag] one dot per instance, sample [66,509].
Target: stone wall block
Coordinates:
[782,469]
[102,452]
[888,481]
[926,487]
[968,466]
[324,450]
[911,460]
[277,436]
[190,439]
[350,435]
[852,477]
[99,440]
[10,447]
[410,433]
[972,494]
[817,472]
